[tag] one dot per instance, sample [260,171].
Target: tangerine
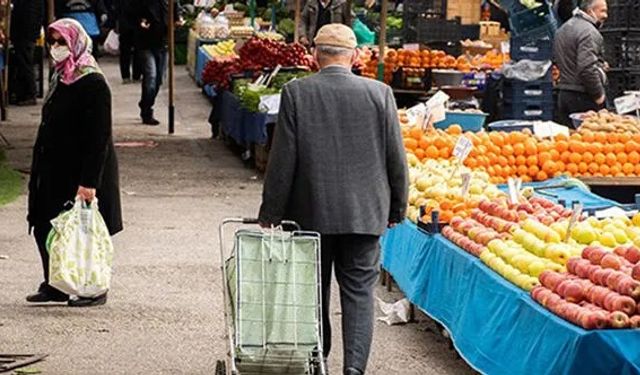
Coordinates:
[583,167]
[566,156]
[593,168]
[533,171]
[419,153]
[445,153]
[605,170]
[562,146]
[549,167]
[618,148]
[575,158]
[507,150]
[622,157]
[611,158]
[576,146]
[410,144]
[587,157]
[572,169]
[637,170]
[634,157]
[600,158]
[543,157]
[518,149]
[432,152]
[542,176]
[612,137]
[521,160]
[628,169]
[587,136]
[416,133]
[455,129]
[631,146]
[601,137]
[532,160]
[530,147]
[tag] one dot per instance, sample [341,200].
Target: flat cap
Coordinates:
[336,35]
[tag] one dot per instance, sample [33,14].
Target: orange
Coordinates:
[424,143]
[560,166]
[496,139]
[446,216]
[634,157]
[576,146]
[542,176]
[637,170]
[530,147]
[511,160]
[622,157]
[526,178]
[562,146]
[471,162]
[561,137]
[419,153]
[503,161]
[445,153]
[601,137]
[618,148]
[628,169]
[543,157]
[507,171]
[454,129]
[549,167]
[497,170]
[575,158]
[611,158]
[532,160]
[410,144]
[594,168]
[607,148]
[575,137]
[636,138]
[600,158]
[516,137]
[572,169]
[583,167]
[522,170]
[521,160]
[615,170]
[595,148]
[555,155]
[587,136]
[533,171]
[416,133]
[542,146]
[587,157]
[624,137]
[566,156]
[445,205]
[631,146]
[518,149]
[440,142]
[621,174]
[507,150]
[605,170]
[612,137]
[432,152]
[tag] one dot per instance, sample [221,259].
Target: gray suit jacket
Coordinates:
[337,164]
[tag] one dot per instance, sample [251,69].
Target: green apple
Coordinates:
[584,234]
[608,239]
[536,268]
[620,236]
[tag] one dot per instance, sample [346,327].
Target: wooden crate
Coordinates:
[469,11]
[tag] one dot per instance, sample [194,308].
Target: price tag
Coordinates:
[577,212]
[466,181]
[513,191]
[547,129]
[462,148]
[411,47]
[505,47]
[270,104]
[417,112]
[627,104]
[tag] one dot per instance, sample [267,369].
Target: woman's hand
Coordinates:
[86,194]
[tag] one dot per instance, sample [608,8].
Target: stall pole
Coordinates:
[172,44]
[252,12]
[382,39]
[296,35]
[7,61]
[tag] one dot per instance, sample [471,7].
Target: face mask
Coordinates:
[60,53]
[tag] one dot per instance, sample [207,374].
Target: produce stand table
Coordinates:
[495,326]
[244,127]
[202,58]
[622,189]
[194,42]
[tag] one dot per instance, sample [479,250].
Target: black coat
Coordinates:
[26,20]
[156,12]
[74,148]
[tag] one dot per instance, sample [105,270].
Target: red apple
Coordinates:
[634,321]
[582,268]
[618,319]
[632,255]
[551,279]
[594,320]
[620,250]
[586,252]
[625,304]
[596,255]
[635,272]
[614,279]
[573,292]
[629,287]
[610,261]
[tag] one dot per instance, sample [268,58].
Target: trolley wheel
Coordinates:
[221,368]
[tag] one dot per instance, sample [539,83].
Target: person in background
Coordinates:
[26,22]
[125,23]
[579,55]
[318,13]
[89,13]
[73,154]
[337,166]
[151,22]
[564,9]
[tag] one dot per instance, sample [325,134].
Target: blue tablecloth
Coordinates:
[496,327]
[589,200]
[202,58]
[244,127]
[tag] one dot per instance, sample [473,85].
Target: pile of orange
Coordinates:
[520,154]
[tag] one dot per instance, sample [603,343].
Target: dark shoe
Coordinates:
[126,81]
[26,102]
[150,121]
[352,371]
[44,296]
[87,302]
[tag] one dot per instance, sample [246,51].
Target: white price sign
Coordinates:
[411,47]
[627,104]
[270,104]
[462,148]
[416,113]
[577,212]
[466,181]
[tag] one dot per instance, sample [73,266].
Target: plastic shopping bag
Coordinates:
[112,43]
[80,251]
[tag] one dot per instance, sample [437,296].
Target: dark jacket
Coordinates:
[74,148]
[340,13]
[564,9]
[579,54]
[337,164]
[156,12]
[63,7]
[124,14]
[26,20]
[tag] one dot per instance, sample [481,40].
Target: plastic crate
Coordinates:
[514,90]
[468,121]
[524,47]
[414,10]
[436,30]
[621,80]
[528,110]
[534,23]
[510,126]
[622,48]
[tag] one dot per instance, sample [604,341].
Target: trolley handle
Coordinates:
[255,221]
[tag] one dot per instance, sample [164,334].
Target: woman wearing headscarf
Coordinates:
[73,155]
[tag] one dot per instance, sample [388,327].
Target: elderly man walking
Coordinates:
[338,166]
[579,54]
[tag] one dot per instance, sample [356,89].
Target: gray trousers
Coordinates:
[356,261]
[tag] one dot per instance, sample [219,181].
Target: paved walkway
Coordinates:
[164,314]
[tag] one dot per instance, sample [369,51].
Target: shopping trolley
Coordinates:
[272,298]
